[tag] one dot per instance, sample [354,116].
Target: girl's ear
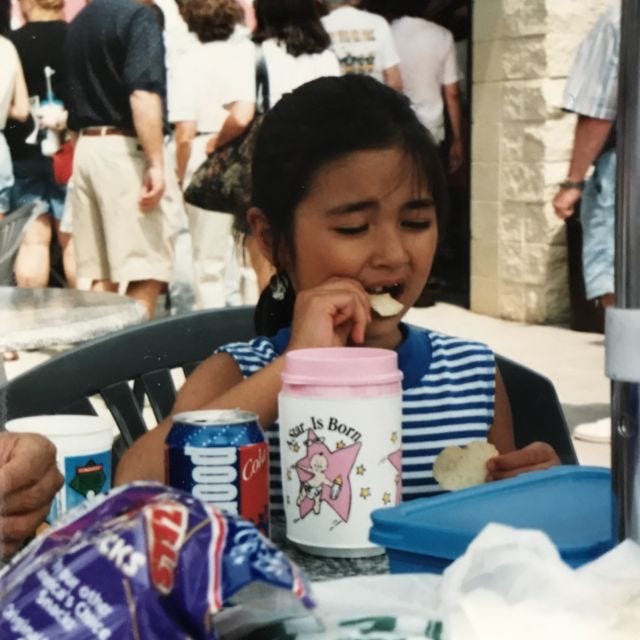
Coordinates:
[261,231]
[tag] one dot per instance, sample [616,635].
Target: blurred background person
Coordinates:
[429,69]
[14,102]
[591,92]
[295,44]
[296,49]
[124,192]
[40,44]
[214,90]
[363,42]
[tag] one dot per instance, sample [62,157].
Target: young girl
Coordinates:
[348,198]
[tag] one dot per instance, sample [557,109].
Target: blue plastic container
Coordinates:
[571,504]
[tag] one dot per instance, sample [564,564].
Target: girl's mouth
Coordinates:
[394,290]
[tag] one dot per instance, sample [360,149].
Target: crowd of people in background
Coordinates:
[136,94]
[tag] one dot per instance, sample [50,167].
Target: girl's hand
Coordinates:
[332,314]
[533,457]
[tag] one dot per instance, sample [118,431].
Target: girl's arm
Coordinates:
[511,461]
[216,384]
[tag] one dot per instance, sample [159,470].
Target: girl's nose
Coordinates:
[390,249]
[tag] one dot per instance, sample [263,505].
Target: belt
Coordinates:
[107,131]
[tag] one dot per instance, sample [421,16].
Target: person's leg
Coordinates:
[211,239]
[146,292]
[32,263]
[68,256]
[104,285]
[90,253]
[597,215]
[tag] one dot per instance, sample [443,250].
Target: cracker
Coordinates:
[385,305]
[462,467]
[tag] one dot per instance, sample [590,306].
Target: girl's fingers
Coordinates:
[332,314]
[534,457]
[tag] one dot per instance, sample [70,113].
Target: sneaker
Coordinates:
[598,431]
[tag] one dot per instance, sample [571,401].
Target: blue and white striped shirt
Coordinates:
[448,397]
[592,85]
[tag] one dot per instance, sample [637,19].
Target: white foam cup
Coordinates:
[83,456]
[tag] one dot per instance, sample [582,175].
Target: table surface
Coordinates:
[36,318]
[322,568]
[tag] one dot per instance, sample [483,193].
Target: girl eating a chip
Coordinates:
[348,198]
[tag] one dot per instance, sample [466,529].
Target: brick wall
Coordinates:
[521,141]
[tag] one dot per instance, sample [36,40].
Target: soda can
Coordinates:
[221,457]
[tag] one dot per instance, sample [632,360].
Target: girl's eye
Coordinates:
[352,231]
[418,224]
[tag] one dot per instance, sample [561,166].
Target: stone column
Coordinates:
[521,142]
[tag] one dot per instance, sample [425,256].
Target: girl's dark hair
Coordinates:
[315,124]
[296,23]
[211,20]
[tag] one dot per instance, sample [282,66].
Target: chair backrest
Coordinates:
[536,409]
[12,229]
[125,367]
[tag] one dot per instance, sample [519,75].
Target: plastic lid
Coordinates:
[571,504]
[337,366]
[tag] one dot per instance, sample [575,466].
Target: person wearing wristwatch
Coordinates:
[591,93]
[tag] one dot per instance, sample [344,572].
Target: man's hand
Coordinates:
[564,202]
[29,479]
[152,188]
[534,457]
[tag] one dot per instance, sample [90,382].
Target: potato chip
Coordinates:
[462,467]
[385,305]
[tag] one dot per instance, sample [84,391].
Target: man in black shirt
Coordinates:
[120,201]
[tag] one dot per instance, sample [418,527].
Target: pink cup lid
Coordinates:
[335,366]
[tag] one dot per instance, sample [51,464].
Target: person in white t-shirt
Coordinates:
[363,42]
[14,103]
[295,45]
[430,75]
[213,102]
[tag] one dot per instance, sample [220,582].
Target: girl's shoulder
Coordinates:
[446,342]
[252,355]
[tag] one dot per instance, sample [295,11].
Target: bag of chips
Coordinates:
[148,561]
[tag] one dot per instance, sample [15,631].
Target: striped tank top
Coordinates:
[448,396]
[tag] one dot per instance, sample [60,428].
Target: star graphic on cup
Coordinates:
[394,437]
[360,469]
[324,476]
[365,492]
[386,498]
[340,444]
[395,459]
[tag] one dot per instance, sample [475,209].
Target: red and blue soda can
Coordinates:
[221,457]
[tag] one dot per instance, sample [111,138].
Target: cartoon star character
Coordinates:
[324,476]
[312,488]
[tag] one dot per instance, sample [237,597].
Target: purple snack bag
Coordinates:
[146,561]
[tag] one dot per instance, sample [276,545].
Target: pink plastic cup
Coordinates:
[340,415]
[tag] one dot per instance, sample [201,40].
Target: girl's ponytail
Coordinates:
[274,310]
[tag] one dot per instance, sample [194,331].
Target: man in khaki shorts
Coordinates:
[123,197]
